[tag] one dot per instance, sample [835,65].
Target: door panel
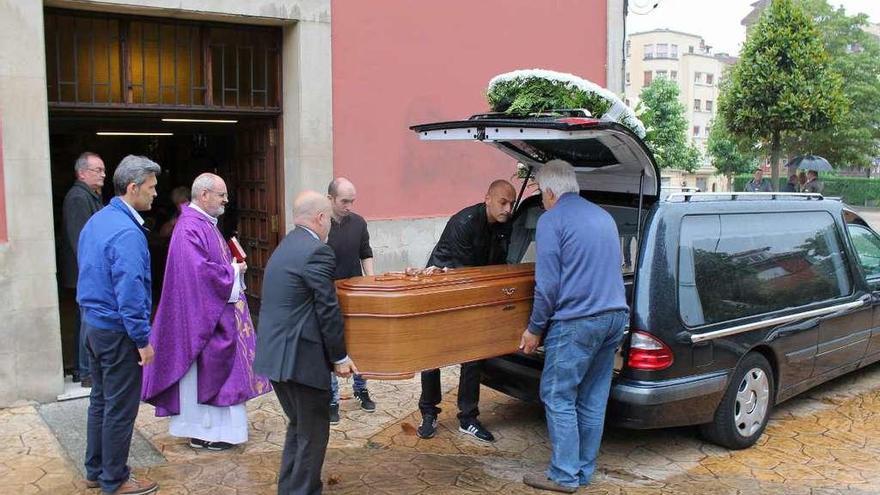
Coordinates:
[254,166]
[843,340]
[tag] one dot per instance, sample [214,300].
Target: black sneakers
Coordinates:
[204,444]
[334,414]
[428,428]
[476,430]
[366,403]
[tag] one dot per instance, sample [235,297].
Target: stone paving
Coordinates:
[824,442]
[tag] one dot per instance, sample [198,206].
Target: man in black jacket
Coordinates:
[475,236]
[300,340]
[81,202]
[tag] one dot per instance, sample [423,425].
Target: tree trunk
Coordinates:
[774,160]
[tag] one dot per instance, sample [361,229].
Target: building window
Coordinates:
[673,75]
[121,60]
[649,51]
[661,73]
[627,77]
[626,101]
[673,51]
[697,104]
[662,50]
[696,130]
[691,49]
[710,78]
[708,105]
[648,77]
[628,46]
[698,77]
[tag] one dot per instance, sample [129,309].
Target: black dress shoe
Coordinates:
[86,382]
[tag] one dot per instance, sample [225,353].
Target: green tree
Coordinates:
[783,83]
[729,155]
[855,55]
[667,127]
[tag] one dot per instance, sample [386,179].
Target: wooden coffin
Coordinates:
[397,325]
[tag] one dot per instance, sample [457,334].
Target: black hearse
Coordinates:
[738,301]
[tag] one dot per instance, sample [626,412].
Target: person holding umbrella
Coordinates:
[813,164]
[813,185]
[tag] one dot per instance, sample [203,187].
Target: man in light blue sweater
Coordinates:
[580,309]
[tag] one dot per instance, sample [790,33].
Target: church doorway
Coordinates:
[241,150]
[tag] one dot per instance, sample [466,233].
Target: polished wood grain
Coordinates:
[398,325]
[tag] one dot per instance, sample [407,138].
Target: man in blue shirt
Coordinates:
[580,308]
[114,293]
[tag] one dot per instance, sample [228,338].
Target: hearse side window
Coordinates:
[732,266]
[867,246]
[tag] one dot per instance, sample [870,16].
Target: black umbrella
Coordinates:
[810,162]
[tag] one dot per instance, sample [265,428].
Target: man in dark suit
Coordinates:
[81,202]
[300,340]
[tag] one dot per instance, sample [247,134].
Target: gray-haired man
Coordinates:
[580,307]
[81,202]
[114,292]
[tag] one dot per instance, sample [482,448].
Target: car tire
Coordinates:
[744,410]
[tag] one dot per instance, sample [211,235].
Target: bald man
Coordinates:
[350,241]
[202,374]
[475,236]
[301,340]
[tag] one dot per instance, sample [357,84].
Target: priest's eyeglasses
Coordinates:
[223,195]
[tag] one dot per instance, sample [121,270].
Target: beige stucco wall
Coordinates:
[30,344]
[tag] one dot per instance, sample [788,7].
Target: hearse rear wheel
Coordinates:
[745,408]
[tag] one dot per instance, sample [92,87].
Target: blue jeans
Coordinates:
[359,385]
[578,364]
[113,405]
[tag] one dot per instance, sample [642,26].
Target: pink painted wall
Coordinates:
[397,63]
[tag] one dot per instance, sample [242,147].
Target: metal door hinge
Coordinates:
[272,137]
[274,222]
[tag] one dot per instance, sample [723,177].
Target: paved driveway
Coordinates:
[827,441]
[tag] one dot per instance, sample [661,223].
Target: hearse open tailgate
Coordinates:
[398,325]
[607,156]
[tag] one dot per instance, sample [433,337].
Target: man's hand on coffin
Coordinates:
[428,271]
[345,369]
[529,342]
[147,355]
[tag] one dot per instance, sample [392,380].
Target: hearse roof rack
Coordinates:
[728,196]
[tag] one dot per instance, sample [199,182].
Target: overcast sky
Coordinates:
[717,21]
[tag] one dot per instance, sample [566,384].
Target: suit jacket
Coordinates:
[79,205]
[300,330]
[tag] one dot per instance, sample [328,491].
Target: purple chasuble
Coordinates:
[195,323]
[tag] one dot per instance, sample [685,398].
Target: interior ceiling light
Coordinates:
[128,133]
[203,121]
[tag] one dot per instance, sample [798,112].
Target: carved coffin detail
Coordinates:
[397,325]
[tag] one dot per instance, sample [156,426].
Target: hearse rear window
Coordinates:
[732,266]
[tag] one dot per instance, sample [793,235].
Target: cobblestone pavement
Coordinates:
[824,442]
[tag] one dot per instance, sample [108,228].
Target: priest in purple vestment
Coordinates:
[203,336]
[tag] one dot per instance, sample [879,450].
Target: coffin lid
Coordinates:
[399,282]
[607,156]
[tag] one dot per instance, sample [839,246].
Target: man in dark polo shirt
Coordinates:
[350,242]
